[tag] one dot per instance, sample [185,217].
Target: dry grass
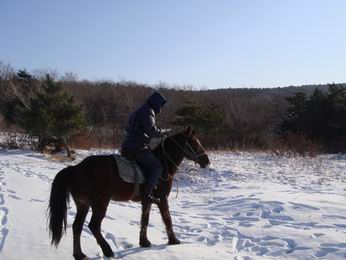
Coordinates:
[59,157]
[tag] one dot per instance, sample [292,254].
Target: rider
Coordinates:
[140,129]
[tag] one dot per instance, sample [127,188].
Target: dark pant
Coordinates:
[151,167]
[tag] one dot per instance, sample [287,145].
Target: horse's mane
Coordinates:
[159,147]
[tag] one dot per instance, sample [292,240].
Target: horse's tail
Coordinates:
[57,208]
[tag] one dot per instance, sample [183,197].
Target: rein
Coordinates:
[187,149]
[166,155]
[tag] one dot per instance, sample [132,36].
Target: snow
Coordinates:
[245,206]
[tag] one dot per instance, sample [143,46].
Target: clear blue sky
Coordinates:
[213,44]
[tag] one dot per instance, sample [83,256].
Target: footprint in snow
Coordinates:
[326,248]
[3,220]
[334,216]
[3,235]
[14,197]
[3,215]
[335,245]
[340,225]
[109,217]
[301,206]
[314,235]
[36,200]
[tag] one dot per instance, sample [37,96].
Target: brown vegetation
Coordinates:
[251,117]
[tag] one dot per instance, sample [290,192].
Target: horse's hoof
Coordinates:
[106,249]
[108,252]
[109,255]
[80,256]
[174,241]
[144,243]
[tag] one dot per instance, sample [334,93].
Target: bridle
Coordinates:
[187,149]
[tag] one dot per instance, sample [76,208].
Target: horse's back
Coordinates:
[97,175]
[94,174]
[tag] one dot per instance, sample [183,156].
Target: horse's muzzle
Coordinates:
[203,161]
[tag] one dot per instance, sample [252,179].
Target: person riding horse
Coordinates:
[141,128]
[96,180]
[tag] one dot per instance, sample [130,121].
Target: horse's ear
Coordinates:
[188,130]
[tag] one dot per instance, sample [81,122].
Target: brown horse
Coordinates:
[95,181]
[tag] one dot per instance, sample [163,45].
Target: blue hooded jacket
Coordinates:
[141,126]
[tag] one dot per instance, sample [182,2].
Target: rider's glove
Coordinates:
[165,132]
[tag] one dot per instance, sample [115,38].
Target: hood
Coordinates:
[156,101]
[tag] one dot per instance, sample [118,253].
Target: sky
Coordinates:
[206,44]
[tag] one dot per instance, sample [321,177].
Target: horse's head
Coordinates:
[192,148]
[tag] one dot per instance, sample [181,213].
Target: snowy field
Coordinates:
[246,206]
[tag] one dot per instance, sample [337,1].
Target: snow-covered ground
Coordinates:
[246,206]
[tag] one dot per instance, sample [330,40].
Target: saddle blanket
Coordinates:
[129,171]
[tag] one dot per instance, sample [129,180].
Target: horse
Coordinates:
[95,181]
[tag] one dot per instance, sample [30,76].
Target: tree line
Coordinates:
[69,112]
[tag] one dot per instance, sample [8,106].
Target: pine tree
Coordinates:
[337,119]
[296,118]
[322,117]
[23,74]
[51,115]
[206,119]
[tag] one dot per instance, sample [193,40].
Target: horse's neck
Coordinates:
[174,164]
[172,158]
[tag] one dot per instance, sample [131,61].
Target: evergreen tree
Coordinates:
[322,117]
[23,74]
[204,119]
[337,119]
[296,118]
[318,114]
[51,115]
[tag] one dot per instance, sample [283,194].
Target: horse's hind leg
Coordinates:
[82,211]
[99,212]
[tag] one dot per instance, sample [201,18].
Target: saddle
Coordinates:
[129,171]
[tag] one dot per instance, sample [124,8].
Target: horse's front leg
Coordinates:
[143,239]
[166,217]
